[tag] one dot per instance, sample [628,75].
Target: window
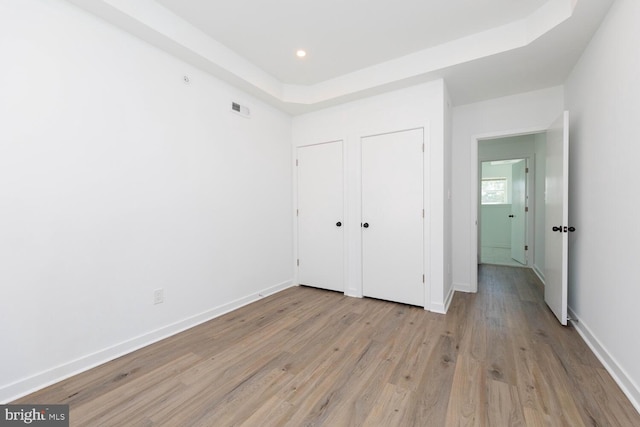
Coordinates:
[494,191]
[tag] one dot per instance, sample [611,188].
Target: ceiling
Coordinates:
[356,48]
[341,36]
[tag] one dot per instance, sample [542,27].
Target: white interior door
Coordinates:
[518,211]
[557,217]
[320,216]
[392,217]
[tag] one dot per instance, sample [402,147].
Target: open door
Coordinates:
[518,211]
[557,217]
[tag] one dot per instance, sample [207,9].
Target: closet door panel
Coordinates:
[320,216]
[392,217]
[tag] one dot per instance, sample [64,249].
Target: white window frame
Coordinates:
[505,190]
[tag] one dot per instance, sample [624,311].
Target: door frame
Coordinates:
[474,225]
[345,223]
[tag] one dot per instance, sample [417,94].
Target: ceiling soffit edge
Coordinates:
[159,26]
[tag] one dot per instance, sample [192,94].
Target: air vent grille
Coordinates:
[240,109]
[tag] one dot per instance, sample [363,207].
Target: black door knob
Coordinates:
[511,216]
[557,229]
[365,225]
[572,229]
[338,224]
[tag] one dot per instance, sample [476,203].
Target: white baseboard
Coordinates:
[462,287]
[23,387]
[441,308]
[539,273]
[498,245]
[628,386]
[353,294]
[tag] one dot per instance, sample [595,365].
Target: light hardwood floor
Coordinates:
[307,357]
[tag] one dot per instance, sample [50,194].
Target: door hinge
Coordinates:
[296,162]
[526,208]
[526,170]
[423,147]
[297,212]
[526,247]
[422,213]
[298,262]
[423,278]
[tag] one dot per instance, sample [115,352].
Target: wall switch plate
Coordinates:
[158,296]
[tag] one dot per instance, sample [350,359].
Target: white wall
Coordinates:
[517,114]
[418,106]
[603,96]
[117,178]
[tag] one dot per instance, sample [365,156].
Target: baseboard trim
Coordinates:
[628,386]
[441,308]
[496,245]
[462,287]
[353,294]
[539,273]
[18,389]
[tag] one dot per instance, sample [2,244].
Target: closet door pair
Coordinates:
[392,224]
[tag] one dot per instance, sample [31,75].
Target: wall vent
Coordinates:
[240,109]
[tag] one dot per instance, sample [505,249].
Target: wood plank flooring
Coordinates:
[307,357]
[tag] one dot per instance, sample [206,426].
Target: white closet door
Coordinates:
[320,216]
[392,217]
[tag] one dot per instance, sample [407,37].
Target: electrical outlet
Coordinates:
[158,296]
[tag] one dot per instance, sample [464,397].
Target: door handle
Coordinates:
[338,224]
[557,229]
[572,229]
[511,216]
[365,225]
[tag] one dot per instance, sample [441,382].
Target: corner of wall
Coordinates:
[443,307]
[463,287]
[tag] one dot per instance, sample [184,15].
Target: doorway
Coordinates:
[527,144]
[504,212]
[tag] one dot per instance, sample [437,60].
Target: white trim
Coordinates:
[499,246]
[23,387]
[426,201]
[462,287]
[620,376]
[539,273]
[444,307]
[353,295]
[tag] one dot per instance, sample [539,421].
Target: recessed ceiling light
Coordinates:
[301,53]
